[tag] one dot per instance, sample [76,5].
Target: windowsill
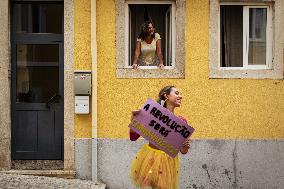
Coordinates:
[245,69]
[151,67]
[168,72]
[252,74]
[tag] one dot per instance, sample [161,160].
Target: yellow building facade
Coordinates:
[217,108]
[238,115]
[224,112]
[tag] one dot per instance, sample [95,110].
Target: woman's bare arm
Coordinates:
[136,55]
[159,54]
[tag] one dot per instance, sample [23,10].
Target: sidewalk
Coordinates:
[11,181]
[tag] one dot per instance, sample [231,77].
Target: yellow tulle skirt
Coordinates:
[152,168]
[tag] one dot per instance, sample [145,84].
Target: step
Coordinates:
[19,181]
[49,173]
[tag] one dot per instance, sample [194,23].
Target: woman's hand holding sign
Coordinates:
[186,145]
[132,134]
[135,112]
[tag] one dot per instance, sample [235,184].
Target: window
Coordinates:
[35,17]
[161,15]
[246,39]
[168,17]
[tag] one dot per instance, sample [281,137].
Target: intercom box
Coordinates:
[82,105]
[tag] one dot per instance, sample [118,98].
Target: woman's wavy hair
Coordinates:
[147,21]
[165,90]
[143,33]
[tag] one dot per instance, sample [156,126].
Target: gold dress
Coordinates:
[148,55]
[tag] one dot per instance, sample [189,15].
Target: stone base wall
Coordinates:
[209,164]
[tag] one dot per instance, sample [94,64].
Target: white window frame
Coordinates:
[173,28]
[277,42]
[269,36]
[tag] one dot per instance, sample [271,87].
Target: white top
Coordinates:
[148,54]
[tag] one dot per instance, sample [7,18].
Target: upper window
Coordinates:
[162,23]
[164,44]
[245,37]
[37,17]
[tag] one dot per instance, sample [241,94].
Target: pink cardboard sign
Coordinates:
[161,127]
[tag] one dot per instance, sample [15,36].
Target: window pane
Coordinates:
[37,18]
[231,32]
[37,72]
[257,36]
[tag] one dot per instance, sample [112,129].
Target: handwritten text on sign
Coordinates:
[161,127]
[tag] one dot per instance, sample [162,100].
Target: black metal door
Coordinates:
[37,80]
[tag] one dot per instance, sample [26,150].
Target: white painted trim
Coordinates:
[245,36]
[173,36]
[251,67]
[268,36]
[94,92]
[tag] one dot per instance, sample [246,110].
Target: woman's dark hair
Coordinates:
[147,22]
[143,33]
[165,90]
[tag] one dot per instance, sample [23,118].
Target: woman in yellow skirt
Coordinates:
[153,168]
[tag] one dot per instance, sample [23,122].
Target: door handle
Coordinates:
[52,99]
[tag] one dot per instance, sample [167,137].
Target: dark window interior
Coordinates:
[35,17]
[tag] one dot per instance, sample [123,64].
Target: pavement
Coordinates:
[12,181]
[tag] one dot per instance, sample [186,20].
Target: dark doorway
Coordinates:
[37,79]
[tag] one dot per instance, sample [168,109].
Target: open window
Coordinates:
[162,17]
[168,17]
